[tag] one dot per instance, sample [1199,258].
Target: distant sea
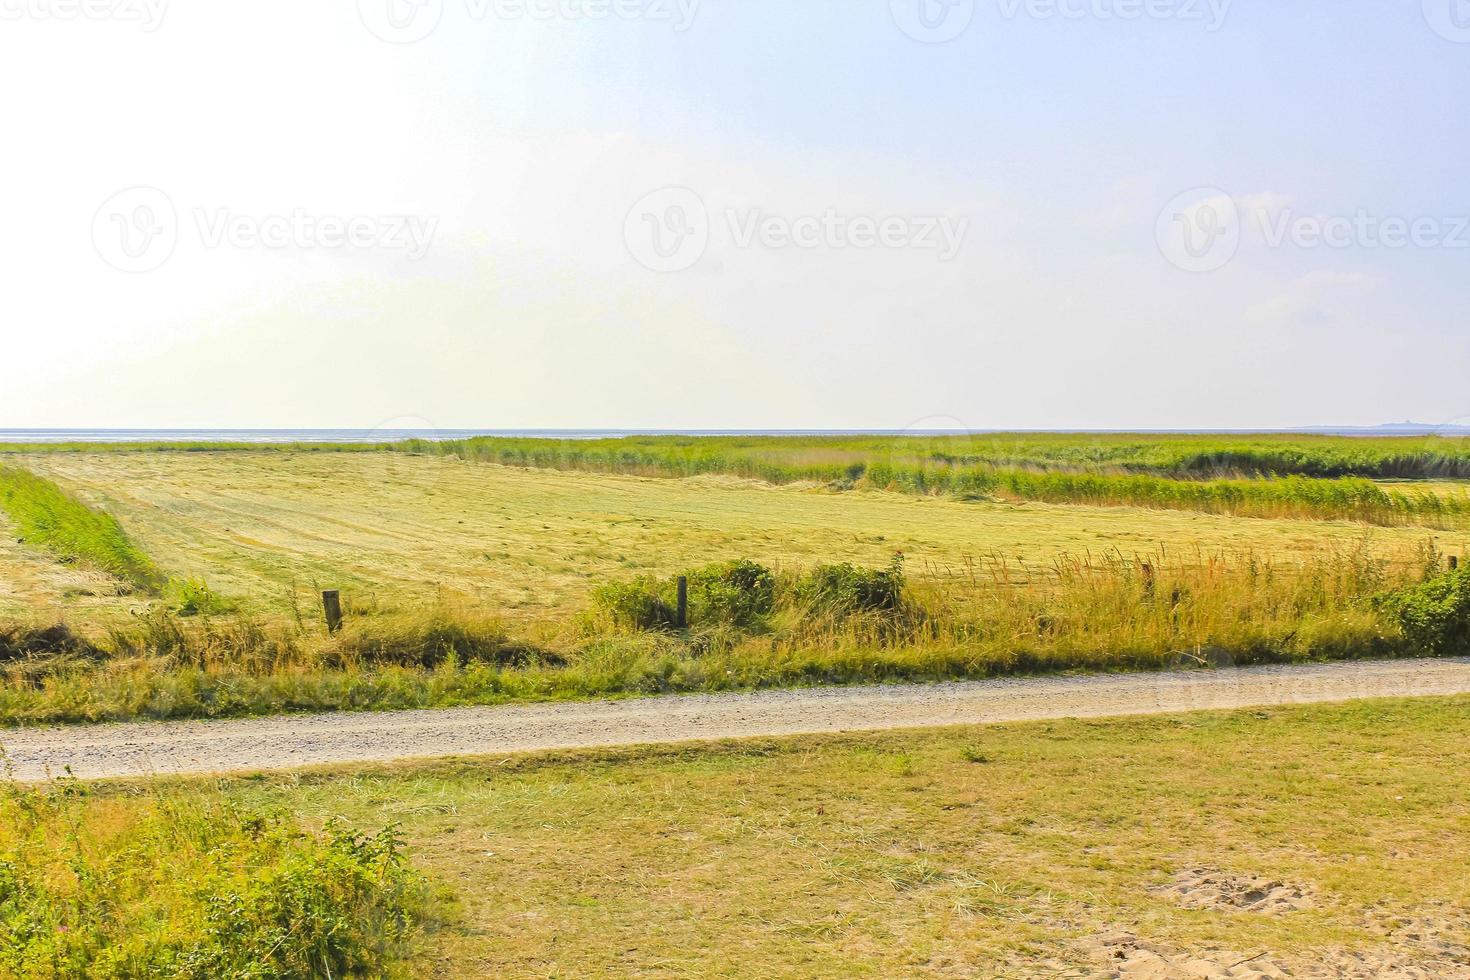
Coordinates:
[265,436]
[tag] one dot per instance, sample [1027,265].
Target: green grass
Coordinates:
[1300,477]
[981,850]
[828,457]
[1247,475]
[472,583]
[268,529]
[194,886]
[830,625]
[48,517]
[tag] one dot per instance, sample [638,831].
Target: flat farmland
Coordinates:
[397,529]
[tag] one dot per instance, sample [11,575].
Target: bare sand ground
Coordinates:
[283,742]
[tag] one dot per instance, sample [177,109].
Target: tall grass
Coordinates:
[831,624]
[191,886]
[1247,475]
[976,475]
[826,457]
[50,518]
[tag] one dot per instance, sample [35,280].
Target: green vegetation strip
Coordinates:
[976,851]
[1052,470]
[829,457]
[750,627]
[194,886]
[1247,475]
[50,518]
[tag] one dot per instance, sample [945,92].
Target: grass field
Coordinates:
[1023,850]
[530,544]
[1316,840]
[471,582]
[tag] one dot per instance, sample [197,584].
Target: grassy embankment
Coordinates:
[424,552]
[1007,850]
[49,518]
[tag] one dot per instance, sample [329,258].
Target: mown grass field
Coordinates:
[392,529]
[1013,850]
[467,581]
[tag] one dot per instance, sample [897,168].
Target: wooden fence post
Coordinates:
[1454,562]
[681,615]
[332,606]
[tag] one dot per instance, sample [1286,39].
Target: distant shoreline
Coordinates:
[348,436]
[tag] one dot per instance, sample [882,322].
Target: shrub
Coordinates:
[733,593]
[110,887]
[639,604]
[736,593]
[1434,615]
[846,589]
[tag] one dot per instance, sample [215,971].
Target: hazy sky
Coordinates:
[729,213]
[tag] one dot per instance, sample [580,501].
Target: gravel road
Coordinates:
[98,751]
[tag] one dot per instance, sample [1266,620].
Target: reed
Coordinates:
[1327,482]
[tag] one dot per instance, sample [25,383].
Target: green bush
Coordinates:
[1434,615]
[846,589]
[104,887]
[640,604]
[735,593]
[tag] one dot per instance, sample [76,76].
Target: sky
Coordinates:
[886,214]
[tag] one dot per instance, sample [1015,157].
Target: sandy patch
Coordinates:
[1211,888]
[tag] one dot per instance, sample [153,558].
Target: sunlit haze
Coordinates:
[734,213]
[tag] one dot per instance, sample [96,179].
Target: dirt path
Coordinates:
[301,740]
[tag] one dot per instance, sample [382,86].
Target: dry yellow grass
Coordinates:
[982,851]
[396,529]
